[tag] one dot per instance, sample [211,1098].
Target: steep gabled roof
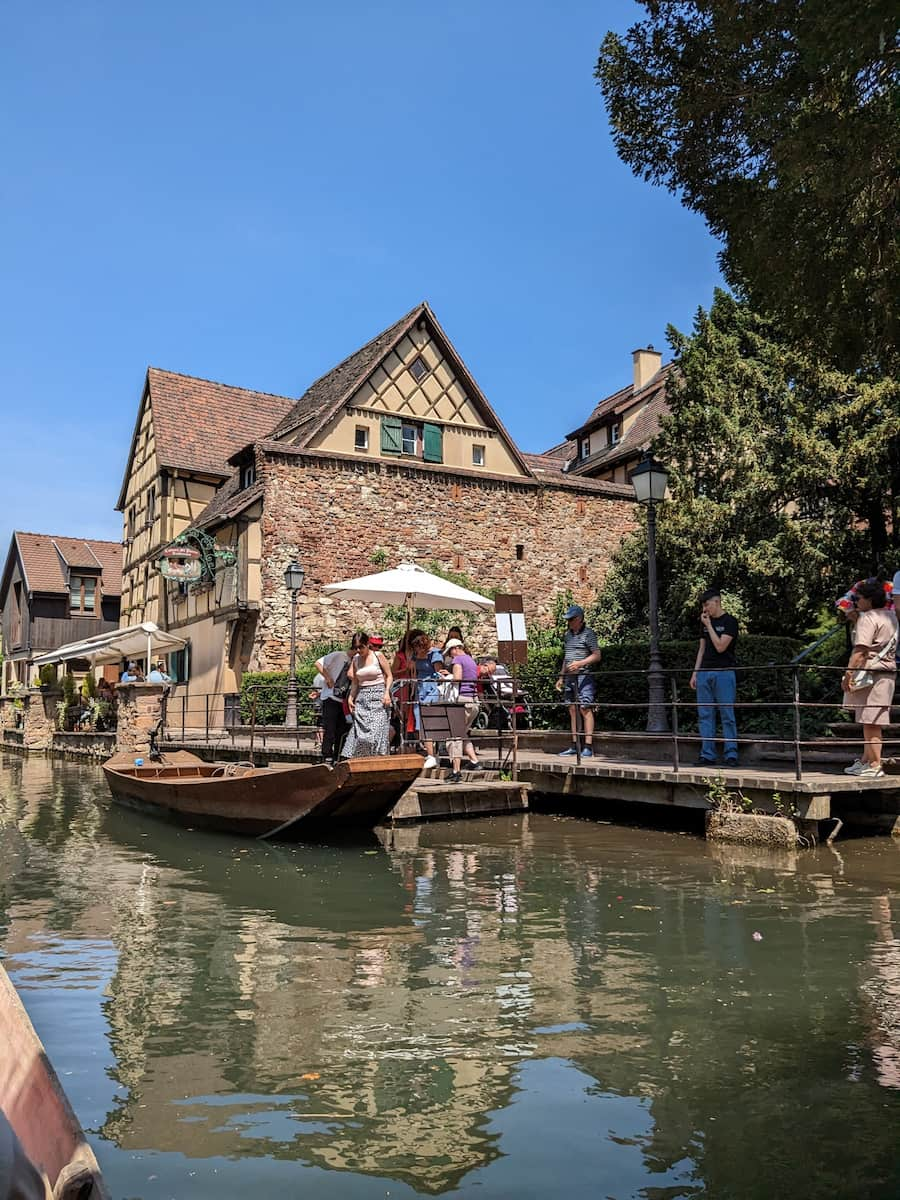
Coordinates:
[46,557]
[329,390]
[199,424]
[329,394]
[651,404]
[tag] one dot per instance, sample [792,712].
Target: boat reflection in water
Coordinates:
[503,1004]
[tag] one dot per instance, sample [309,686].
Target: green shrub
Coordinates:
[47,675]
[621,680]
[89,686]
[270,689]
[70,689]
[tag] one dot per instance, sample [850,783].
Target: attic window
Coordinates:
[418,369]
[361,438]
[584,448]
[478,456]
[248,476]
[614,434]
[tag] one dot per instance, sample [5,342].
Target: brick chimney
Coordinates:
[646,364]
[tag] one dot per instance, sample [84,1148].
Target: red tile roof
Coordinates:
[650,403]
[199,424]
[44,559]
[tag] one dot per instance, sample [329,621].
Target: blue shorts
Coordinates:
[579,689]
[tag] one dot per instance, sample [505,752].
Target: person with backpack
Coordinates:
[335,671]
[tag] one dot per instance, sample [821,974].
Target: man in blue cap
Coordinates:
[576,682]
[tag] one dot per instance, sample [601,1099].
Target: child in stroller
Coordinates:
[499,698]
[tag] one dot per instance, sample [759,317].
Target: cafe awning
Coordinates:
[136,641]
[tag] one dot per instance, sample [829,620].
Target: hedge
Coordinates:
[620,681]
[270,690]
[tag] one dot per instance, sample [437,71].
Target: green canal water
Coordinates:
[526,1007]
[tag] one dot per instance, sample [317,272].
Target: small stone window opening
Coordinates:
[418,369]
[582,574]
[520,551]
[361,439]
[478,456]
[579,505]
[248,476]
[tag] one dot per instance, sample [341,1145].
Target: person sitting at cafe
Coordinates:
[131,674]
[158,674]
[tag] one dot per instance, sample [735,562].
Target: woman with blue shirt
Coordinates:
[429,666]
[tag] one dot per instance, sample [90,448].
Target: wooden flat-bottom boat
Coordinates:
[288,801]
[37,1109]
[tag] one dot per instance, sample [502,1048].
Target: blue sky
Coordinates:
[248,192]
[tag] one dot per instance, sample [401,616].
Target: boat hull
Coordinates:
[290,801]
[37,1108]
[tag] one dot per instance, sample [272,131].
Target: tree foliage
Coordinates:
[784,482]
[779,123]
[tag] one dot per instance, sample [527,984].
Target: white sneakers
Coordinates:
[864,770]
[430,761]
[871,772]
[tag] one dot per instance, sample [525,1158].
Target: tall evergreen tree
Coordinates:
[784,480]
[780,123]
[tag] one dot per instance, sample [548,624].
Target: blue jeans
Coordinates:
[716,691]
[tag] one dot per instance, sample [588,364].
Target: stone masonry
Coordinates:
[514,535]
[138,713]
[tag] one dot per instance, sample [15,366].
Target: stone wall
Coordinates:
[516,536]
[39,724]
[138,714]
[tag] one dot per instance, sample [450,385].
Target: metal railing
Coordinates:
[507,712]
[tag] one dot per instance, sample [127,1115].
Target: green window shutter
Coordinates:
[391,437]
[433,443]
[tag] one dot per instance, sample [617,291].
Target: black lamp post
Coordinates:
[650,480]
[293,581]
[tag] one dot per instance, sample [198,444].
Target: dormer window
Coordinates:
[248,476]
[614,434]
[82,595]
[584,448]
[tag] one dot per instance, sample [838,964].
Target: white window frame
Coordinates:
[364,430]
[248,475]
[584,448]
[478,454]
[614,435]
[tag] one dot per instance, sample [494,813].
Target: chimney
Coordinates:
[646,364]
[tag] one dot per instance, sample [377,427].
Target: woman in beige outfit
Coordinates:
[873,650]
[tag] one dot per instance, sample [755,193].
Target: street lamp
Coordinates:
[293,581]
[650,480]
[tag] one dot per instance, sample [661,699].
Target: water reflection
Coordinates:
[499,1004]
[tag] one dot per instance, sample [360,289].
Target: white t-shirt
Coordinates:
[333,664]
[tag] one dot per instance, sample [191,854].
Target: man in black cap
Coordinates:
[576,683]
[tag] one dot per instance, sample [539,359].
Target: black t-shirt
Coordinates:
[725,625]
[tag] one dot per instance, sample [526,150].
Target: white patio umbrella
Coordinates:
[412,586]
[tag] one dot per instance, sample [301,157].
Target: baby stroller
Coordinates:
[498,699]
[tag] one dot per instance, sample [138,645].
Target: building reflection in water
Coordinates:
[407,1013]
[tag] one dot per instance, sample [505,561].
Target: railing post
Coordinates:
[798,760]
[207,717]
[183,714]
[675,757]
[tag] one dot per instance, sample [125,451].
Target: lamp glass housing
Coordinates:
[649,480]
[293,577]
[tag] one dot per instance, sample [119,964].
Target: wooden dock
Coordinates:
[602,785]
